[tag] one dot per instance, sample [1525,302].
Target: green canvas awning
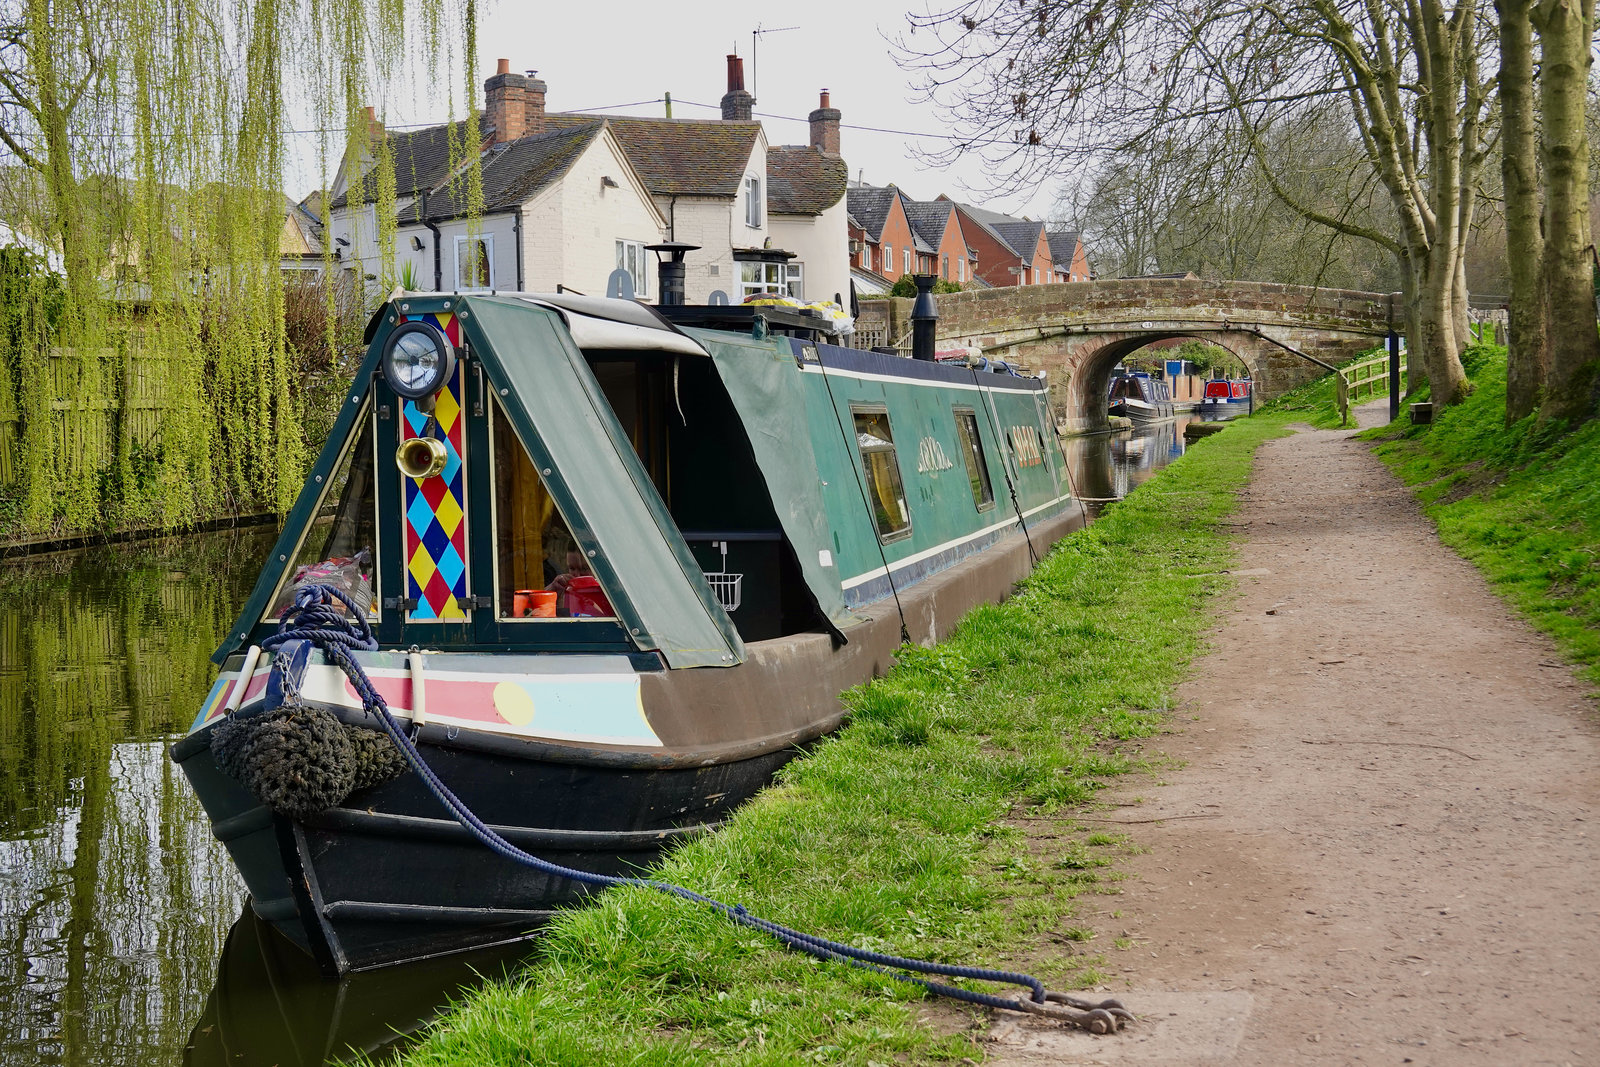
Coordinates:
[764,382]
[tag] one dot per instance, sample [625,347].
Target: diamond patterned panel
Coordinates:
[436,520]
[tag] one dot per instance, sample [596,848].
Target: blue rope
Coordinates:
[314,616]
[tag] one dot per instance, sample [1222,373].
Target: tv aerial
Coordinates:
[755,38]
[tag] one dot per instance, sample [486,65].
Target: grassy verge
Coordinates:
[1317,402]
[1521,502]
[899,833]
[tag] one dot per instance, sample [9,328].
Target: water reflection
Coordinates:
[271,1007]
[113,894]
[1108,466]
[115,899]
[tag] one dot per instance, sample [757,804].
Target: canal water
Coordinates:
[122,924]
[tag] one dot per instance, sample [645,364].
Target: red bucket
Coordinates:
[584,598]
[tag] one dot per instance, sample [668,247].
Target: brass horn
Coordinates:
[421,457]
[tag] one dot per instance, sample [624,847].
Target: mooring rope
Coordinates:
[316,616]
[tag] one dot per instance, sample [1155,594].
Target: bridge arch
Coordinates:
[1076,332]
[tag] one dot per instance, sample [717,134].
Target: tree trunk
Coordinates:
[1436,264]
[1527,356]
[1565,30]
[1416,368]
[1436,337]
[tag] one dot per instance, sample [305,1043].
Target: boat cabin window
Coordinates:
[340,542]
[972,452]
[542,572]
[640,392]
[884,488]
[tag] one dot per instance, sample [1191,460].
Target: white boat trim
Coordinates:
[911,560]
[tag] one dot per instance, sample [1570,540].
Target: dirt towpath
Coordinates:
[1383,843]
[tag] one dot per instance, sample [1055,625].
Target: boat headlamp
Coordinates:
[417,360]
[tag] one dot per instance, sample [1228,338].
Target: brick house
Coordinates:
[892,234]
[1070,257]
[881,238]
[1011,251]
[937,224]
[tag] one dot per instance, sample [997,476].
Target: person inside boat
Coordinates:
[577,567]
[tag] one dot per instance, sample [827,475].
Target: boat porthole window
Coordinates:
[972,453]
[885,490]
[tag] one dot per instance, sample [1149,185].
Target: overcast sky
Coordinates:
[594,54]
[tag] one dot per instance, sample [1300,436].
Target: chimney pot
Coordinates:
[503,67]
[737,105]
[824,104]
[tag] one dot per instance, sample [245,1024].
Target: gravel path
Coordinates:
[1382,844]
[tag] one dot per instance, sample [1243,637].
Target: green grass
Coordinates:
[902,832]
[1316,403]
[1522,503]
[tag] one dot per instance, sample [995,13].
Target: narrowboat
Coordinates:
[621,561]
[1225,397]
[1140,397]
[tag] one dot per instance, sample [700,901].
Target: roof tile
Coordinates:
[803,181]
[681,157]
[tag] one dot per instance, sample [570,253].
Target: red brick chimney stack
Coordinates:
[505,104]
[825,127]
[375,131]
[533,122]
[737,105]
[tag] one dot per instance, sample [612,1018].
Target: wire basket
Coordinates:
[729,588]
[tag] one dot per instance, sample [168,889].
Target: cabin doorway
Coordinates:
[692,443]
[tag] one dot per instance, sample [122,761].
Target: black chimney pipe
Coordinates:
[924,317]
[671,269]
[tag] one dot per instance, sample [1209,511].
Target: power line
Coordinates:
[387,126]
[964,142]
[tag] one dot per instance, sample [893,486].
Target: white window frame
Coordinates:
[637,267]
[753,206]
[779,279]
[888,259]
[488,251]
[907,269]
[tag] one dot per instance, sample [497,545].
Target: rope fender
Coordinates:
[315,616]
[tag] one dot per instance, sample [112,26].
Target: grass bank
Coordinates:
[1521,502]
[901,833]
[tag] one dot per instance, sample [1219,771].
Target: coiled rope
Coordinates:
[316,616]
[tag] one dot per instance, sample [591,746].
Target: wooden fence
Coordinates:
[94,396]
[1363,379]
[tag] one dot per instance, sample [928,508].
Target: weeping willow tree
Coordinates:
[143,147]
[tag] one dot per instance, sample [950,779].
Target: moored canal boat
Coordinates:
[1140,397]
[620,570]
[1225,397]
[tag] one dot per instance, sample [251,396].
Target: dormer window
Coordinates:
[752,202]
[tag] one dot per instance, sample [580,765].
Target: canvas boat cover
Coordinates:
[559,412]
[765,384]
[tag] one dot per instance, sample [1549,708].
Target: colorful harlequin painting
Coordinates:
[436,519]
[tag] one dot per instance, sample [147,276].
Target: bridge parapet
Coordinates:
[998,315]
[1078,331]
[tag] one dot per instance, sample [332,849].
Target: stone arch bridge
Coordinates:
[1285,334]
